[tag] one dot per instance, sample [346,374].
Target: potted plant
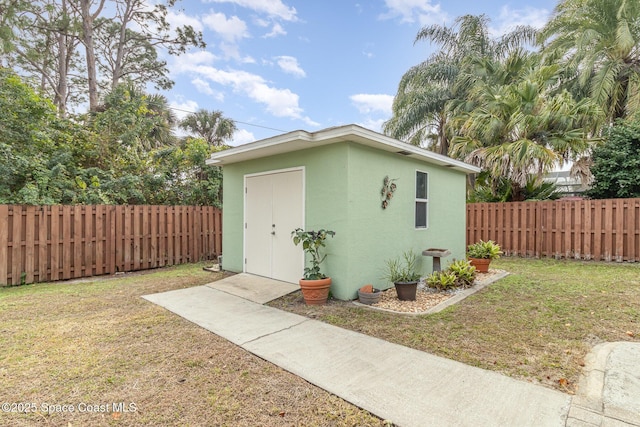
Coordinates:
[369,295]
[402,272]
[481,253]
[314,284]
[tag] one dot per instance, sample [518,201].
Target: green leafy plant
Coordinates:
[442,280]
[616,162]
[312,242]
[484,250]
[402,269]
[465,273]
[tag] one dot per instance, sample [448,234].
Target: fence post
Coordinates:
[4,245]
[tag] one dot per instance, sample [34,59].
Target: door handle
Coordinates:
[273,229]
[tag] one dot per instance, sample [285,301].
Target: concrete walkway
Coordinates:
[396,383]
[609,389]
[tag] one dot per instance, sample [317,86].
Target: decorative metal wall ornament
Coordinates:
[388,188]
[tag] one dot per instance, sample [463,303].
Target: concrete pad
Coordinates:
[621,393]
[586,416]
[612,422]
[254,288]
[406,386]
[231,317]
[610,384]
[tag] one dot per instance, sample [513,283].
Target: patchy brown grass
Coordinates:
[536,324]
[99,343]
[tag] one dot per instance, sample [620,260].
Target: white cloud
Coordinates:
[180,19]
[411,11]
[231,29]
[204,87]
[273,8]
[242,136]
[290,65]
[372,106]
[423,11]
[373,124]
[370,103]
[182,108]
[198,57]
[276,31]
[511,18]
[231,50]
[279,102]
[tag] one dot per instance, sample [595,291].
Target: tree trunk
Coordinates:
[517,193]
[60,98]
[122,41]
[45,62]
[442,134]
[87,38]
[620,109]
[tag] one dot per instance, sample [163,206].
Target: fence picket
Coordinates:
[16,248]
[48,243]
[592,229]
[43,244]
[29,243]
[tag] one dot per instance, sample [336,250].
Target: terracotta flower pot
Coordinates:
[315,292]
[406,290]
[481,264]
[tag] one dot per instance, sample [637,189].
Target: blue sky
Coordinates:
[280,65]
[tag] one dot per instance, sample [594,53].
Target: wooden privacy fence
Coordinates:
[606,230]
[47,243]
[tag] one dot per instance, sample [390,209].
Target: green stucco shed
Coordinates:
[333,179]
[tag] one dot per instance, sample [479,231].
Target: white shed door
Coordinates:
[274,208]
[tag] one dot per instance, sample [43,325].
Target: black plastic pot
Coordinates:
[406,290]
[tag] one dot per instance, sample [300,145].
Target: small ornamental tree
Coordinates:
[312,242]
[616,163]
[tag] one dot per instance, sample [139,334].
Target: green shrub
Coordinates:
[464,271]
[442,280]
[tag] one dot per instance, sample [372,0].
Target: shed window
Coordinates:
[422,199]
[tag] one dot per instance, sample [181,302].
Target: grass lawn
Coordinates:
[93,343]
[536,324]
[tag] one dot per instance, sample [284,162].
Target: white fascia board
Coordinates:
[393,145]
[298,140]
[261,148]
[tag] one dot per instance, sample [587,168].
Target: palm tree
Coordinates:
[163,121]
[212,126]
[598,42]
[129,125]
[514,125]
[420,108]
